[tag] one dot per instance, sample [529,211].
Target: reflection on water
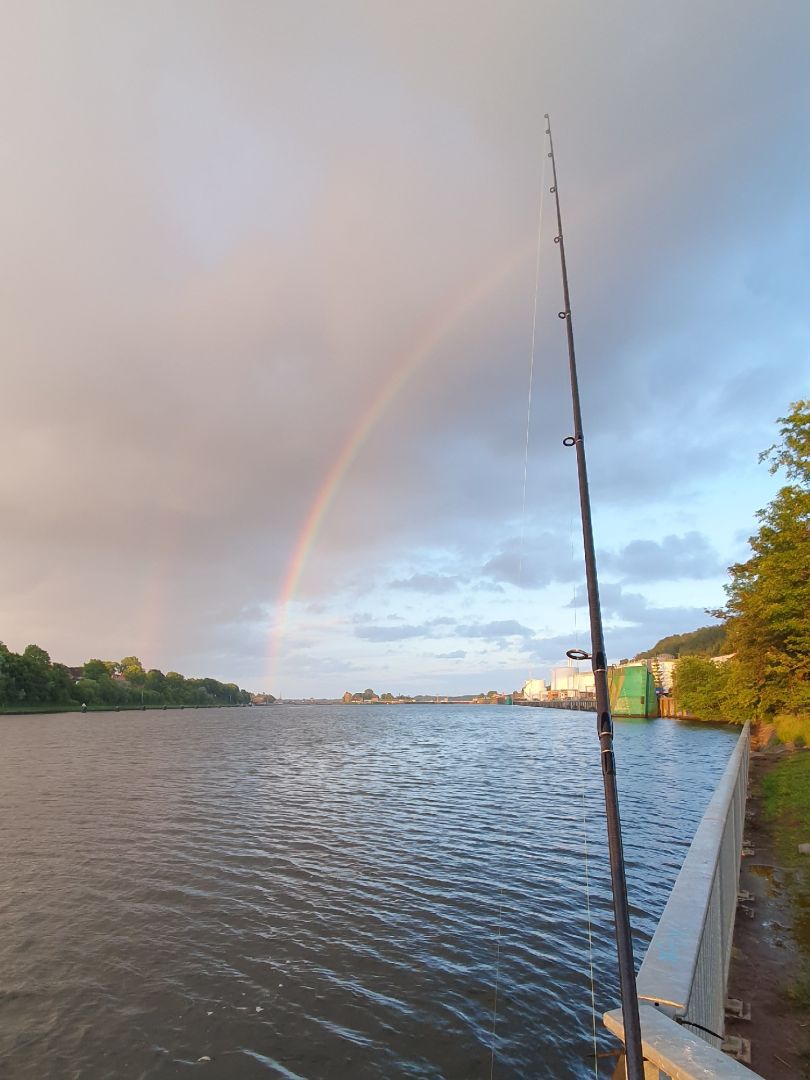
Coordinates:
[321,891]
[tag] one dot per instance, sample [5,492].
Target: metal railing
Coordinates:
[673,1052]
[685,971]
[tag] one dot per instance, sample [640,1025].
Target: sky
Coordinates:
[267,288]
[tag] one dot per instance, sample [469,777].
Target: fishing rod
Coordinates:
[598,658]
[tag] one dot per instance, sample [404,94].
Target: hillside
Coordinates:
[705,641]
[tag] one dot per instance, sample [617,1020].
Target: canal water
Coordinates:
[325,892]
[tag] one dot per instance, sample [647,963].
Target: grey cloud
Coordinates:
[391,633]
[428,583]
[457,654]
[495,630]
[509,567]
[614,601]
[533,561]
[210,353]
[671,559]
[488,586]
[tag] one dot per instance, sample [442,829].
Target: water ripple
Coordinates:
[317,893]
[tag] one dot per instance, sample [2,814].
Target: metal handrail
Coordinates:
[685,970]
[676,1053]
[682,981]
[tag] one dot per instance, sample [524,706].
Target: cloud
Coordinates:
[494,631]
[671,559]
[532,561]
[326,257]
[457,654]
[428,583]
[391,633]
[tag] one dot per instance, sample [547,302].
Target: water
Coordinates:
[322,892]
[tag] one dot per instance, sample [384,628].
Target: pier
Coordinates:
[578,704]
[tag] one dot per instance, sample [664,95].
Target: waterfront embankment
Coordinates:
[770,968]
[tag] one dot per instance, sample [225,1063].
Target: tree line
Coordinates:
[767,612]
[31,680]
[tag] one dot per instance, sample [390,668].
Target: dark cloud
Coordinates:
[671,559]
[533,561]
[614,601]
[292,244]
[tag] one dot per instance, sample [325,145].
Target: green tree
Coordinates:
[132,670]
[368,694]
[700,687]
[37,655]
[88,691]
[96,669]
[768,606]
[34,671]
[155,680]
[705,641]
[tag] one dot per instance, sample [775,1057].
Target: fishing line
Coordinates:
[575,593]
[542,201]
[590,930]
[575,606]
[531,368]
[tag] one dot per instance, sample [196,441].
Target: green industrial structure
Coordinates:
[632,691]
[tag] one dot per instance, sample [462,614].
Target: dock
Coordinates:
[577,704]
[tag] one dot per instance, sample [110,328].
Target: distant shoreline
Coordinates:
[44,710]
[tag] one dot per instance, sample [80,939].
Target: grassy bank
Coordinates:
[39,710]
[786,805]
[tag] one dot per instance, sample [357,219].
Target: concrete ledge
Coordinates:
[676,1051]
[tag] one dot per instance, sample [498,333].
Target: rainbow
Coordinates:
[404,370]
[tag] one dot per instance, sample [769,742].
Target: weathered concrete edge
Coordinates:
[676,1051]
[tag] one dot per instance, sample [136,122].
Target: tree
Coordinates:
[768,606]
[96,669]
[369,694]
[705,641]
[36,655]
[88,691]
[30,679]
[700,687]
[132,670]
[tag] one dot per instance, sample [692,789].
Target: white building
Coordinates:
[535,690]
[662,669]
[569,681]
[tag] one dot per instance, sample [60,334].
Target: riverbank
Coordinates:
[770,967]
[49,710]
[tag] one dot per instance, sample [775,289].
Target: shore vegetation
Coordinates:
[31,682]
[766,624]
[786,804]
